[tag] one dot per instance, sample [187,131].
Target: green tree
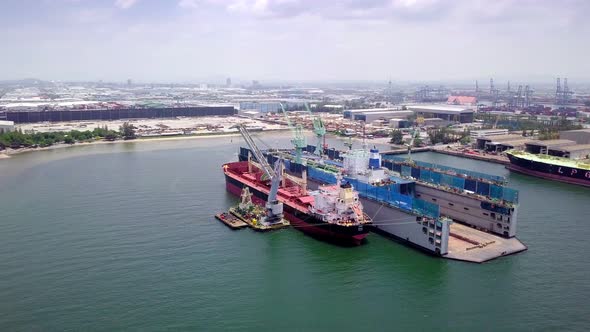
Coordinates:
[418,142]
[128,131]
[110,135]
[465,140]
[396,137]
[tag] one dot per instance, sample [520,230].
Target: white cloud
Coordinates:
[125,4]
[190,4]
[304,40]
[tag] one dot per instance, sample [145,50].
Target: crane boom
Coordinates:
[256,151]
[411,144]
[276,181]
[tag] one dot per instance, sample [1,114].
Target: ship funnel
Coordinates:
[374,159]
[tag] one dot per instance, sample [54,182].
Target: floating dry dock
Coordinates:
[230,220]
[449,212]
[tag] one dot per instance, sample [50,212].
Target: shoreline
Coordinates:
[8,153]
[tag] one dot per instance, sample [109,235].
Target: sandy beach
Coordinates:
[5,154]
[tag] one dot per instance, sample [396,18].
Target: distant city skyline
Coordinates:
[295,40]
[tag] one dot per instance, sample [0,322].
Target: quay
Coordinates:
[498,159]
[404,151]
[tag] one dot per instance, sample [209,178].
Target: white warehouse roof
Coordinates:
[440,108]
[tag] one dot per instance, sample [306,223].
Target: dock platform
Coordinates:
[498,159]
[230,220]
[253,223]
[472,245]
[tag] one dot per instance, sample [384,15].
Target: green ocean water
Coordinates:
[122,237]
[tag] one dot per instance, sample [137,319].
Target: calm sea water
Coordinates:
[122,237]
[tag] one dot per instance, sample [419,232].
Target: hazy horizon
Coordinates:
[295,40]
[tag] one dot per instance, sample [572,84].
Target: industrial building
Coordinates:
[349,114]
[6,126]
[265,106]
[115,114]
[261,107]
[578,151]
[488,132]
[501,143]
[559,148]
[462,100]
[446,112]
[399,123]
[437,122]
[580,136]
[369,117]
[547,146]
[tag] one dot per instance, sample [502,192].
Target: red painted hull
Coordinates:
[323,231]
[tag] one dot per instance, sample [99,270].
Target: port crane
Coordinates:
[411,143]
[274,208]
[298,139]
[319,130]
[264,165]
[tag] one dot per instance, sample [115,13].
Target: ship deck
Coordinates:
[472,245]
[256,225]
[291,196]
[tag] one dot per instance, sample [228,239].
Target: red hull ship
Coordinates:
[303,209]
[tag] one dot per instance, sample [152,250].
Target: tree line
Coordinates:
[18,139]
[443,135]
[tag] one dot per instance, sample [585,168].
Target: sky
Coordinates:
[294,40]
